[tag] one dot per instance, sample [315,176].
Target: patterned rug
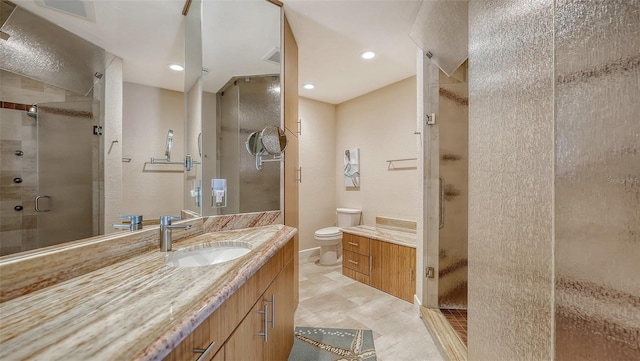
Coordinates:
[332,344]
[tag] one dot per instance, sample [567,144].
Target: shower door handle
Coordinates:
[38,198]
[441,202]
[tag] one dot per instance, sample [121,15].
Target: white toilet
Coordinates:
[330,238]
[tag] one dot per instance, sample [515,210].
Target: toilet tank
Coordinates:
[348,217]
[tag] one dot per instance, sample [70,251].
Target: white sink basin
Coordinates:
[206,256]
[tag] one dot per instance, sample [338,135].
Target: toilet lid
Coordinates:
[328,232]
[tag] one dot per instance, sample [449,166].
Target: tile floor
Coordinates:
[458,321]
[329,299]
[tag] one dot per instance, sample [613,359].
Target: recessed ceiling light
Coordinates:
[309,86]
[368,55]
[176,67]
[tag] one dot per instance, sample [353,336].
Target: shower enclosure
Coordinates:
[52,112]
[247,105]
[53,166]
[446,168]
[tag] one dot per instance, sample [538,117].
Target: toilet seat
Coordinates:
[328,233]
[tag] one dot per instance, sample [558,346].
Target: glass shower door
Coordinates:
[454,178]
[67,201]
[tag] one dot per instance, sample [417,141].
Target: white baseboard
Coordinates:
[416,305]
[304,254]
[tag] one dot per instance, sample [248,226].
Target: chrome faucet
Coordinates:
[134,223]
[165,231]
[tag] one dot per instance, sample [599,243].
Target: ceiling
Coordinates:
[149,35]
[331,35]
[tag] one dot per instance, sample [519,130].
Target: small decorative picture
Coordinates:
[352,168]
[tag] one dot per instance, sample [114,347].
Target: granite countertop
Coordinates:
[403,237]
[138,309]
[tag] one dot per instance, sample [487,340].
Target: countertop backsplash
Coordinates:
[30,271]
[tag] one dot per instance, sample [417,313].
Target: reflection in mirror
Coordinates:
[91,89]
[254,144]
[274,140]
[167,151]
[57,155]
[238,96]
[193,107]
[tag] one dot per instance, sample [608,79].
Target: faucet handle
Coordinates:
[166,220]
[135,223]
[132,219]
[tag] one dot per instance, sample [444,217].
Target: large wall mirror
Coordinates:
[238,44]
[232,87]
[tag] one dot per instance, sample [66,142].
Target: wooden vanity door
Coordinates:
[407,258]
[393,269]
[281,335]
[245,343]
[384,266]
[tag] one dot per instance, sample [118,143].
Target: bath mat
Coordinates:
[332,344]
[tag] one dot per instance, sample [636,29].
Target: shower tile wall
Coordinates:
[597,180]
[511,141]
[18,132]
[453,118]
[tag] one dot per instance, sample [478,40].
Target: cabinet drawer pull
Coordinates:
[353,244]
[206,353]
[272,301]
[352,261]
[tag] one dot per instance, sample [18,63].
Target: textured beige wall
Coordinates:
[317,200]
[381,124]
[511,172]
[148,114]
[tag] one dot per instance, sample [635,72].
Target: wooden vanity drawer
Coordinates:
[357,244]
[360,277]
[355,261]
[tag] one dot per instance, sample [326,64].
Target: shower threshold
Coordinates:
[446,339]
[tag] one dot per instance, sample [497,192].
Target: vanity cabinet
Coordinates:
[266,333]
[386,266]
[236,325]
[356,257]
[393,269]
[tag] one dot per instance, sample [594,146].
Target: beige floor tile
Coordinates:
[329,299]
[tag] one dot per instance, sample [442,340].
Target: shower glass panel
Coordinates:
[453,122]
[247,105]
[67,201]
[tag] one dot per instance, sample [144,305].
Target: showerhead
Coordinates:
[33,111]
